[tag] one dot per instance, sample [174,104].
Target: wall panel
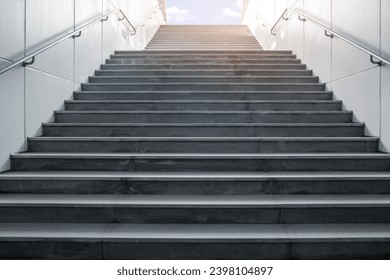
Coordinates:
[361,85]
[30,95]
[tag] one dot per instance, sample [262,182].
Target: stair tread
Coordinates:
[206,155]
[211,91]
[210,139]
[202,102]
[204,124]
[242,112]
[194,232]
[205,84]
[189,201]
[205,77]
[119,175]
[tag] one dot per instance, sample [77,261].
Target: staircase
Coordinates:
[203,146]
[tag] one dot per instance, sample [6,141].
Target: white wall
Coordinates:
[29,96]
[362,86]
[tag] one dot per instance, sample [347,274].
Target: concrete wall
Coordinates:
[362,86]
[29,96]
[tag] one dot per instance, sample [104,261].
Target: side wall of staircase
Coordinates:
[29,95]
[347,71]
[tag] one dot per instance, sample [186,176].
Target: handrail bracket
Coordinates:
[76,35]
[31,62]
[329,34]
[379,63]
[301,18]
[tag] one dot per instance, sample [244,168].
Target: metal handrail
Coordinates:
[155,10]
[77,33]
[258,18]
[330,33]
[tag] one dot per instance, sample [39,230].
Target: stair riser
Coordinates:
[204,146]
[202,96]
[195,164]
[72,106]
[206,58]
[201,67]
[215,38]
[202,80]
[187,215]
[194,53]
[160,186]
[272,117]
[195,47]
[204,47]
[203,40]
[209,73]
[187,131]
[203,87]
[203,57]
[205,44]
[208,250]
[208,41]
[204,62]
[196,37]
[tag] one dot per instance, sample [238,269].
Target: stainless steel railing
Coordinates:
[374,58]
[30,59]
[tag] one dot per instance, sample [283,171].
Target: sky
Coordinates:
[204,11]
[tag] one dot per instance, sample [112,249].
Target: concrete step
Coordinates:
[203,130]
[208,48]
[204,95]
[160,40]
[194,47]
[195,183]
[201,67]
[184,209]
[203,86]
[194,37]
[204,72]
[206,56]
[203,144]
[199,162]
[191,241]
[204,42]
[203,79]
[203,116]
[206,105]
[279,60]
[176,44]
[197,52]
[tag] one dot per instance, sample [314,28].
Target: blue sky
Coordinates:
[204,11]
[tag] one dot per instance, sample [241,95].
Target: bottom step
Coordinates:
[124,241]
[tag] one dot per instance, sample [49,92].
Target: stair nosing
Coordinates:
[195,201]
[204,139]
[203,155]
[195,233]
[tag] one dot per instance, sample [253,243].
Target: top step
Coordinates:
[204,37]
[201,52]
